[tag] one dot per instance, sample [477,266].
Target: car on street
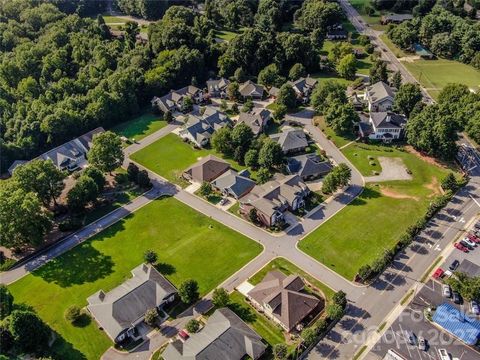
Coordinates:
[446,292]
[460,247]
[469,242]
[474,307]
[422,343]
[457,299]
[465,244]
[438,273]
[454,265]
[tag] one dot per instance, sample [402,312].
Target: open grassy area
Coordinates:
[378,217]
[113,19]
[199,249]
[228,35]
[435,74]
[140,126]
[170,156]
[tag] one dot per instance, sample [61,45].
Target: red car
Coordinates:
[460,247]
[473,238]
[438,273]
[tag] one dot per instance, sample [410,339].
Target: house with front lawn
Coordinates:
[218,88]
[174,99]
[303,87]
[224,337]
[283,299]
[234,184]
[308,166]
[257,119]
[198,129]
[379,97]
[272,199]
[121,311]
[291,140]
[385,126]
[206,169]
[251,90]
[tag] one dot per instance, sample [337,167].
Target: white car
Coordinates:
[446,291]
[474,307]
[469,242]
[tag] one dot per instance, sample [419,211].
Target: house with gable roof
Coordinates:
[257,119]
[218,88]
[198,129]
[380,97]
[174,99]
[303,87]
[251,90]
[385,126]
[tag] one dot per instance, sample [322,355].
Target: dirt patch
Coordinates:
[426,158]
[393,168]
[410,59]
[396,195]
[435,187]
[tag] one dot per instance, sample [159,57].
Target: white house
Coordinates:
[386,126]
[380,97]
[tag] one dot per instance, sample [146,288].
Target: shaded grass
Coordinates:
[399,53]
[140,126]
[339,141]
[199,249]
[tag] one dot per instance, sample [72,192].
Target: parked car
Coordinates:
[477,225]
[444,355]
[473,237]
[457,299]
[465,244]
[470,242]
[446,291]
[454,265]
[422,343]
[223,201]
[460,247]
[410,337]
[474,307]
[438,273]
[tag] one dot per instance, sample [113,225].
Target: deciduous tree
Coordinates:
[188,291]
[106,152]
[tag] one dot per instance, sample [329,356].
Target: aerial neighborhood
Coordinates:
[231,180]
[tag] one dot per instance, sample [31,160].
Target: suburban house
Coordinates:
[120,311]
[273,198]
[395,18]
[234,184]
[291,140]
[200,128]
[224,337]
[257,119]
[250,90]
[206,169]
[218,88]
[303,87]
[281,298]
[308,166]
[273,92]
[357,102]
[69,156]
[174,99]
[380,97]
[385,126]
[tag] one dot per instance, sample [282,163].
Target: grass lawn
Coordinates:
[435,74]
[339,141]
[373,21]
[113,19]
[140,126]
[228,35]
[394,204]
[170,156]
[106,260]
[399,53]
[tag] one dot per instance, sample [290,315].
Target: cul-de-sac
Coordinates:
[239,179]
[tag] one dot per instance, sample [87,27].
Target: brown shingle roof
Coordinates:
[207,169]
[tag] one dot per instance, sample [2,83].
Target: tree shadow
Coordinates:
[165,268]
[62,349]
[81,265]
[83,321]
[243,312]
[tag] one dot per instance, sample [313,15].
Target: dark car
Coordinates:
[454,265]
[457,299]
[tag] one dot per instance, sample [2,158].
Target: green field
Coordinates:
[372,21]
[198,249]
[170,156]
[140,126]
[379,216]
[113,19]
[435,74]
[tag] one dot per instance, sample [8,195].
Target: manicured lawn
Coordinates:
[140,126]
[199,249]
[435,74]
[170,156]
[375,220]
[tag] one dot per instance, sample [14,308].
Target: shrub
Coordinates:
[280,351]
[73,313]
[340,298]
[192,326]
[150,256]
[151,316]
[220,297]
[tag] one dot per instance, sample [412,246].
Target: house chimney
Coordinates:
[101,295]
[145,268]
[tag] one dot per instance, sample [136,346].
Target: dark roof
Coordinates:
[249,88]
[303,85]
[217,85]
[282,294]
[224,337]
[457,323]
[207,169]
[121,307]
[292,139]
[398,17]
[337,33]
[238,185]
[387,120]
[308,165]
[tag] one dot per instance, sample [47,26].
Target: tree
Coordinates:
[23,221]
[96,175]
[242,136]
[247,106]
[309,336]
[132,172]
[240,75]
[467,286]
[341,117]
[187,105]
[251,158]
[268,16]
[233,92]
[270,76]
[449,183]
[192,326]
[143,180]
[41,177]
[347,67]
[188,291]
[396,80]
[150,256]
[73,313]
[379,71]
[270,155]
[325,93]
[6,302]
[317,14]
[220,298]
[340,298]
[280,351]
[205,189]
[29,332]
[253,215]
[234,108]
[168,117]
[151,316]
[263,175]
[407,96]
[82,193]
[335,312]
[6,340]
[287,97]
[296,71]
[106,152]
[279,112]
[338,177]
[222,141]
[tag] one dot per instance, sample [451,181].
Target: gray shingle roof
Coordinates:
[308,165]
[291,140]
[236,184]
[224,337]
[217,85]
[379,92]
[303,85]
[255,119]
[386,120]
[249,88]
